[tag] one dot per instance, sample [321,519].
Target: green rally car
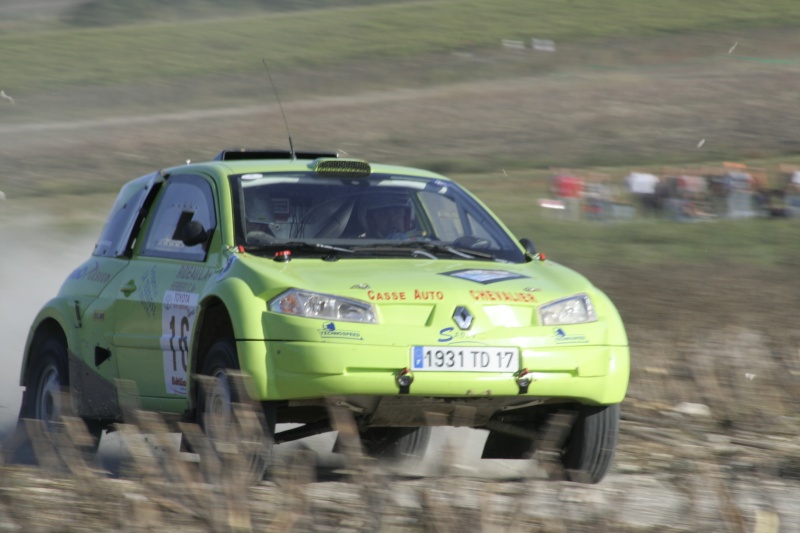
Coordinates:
[392,289]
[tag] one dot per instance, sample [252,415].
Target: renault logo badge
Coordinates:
[462,317]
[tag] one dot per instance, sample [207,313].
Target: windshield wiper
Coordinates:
[298,245]
[428,249]
[466,253]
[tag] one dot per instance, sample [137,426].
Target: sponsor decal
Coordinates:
[483,276]
[450,335]
[178,316]
[94,274]
[428,295]
[446,334]
[502,296]
[195,273]
[561,337]
[386,295]
[329,331]
[148,292]
[183,286]
[400,296]
[227,267]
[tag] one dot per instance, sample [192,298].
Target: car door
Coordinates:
[93,286]
[155,309]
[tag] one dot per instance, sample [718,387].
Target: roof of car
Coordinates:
[257,161]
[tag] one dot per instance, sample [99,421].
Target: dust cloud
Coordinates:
[37,252]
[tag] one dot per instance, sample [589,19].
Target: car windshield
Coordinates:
[380,215]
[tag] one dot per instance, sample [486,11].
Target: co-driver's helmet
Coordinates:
[372,205]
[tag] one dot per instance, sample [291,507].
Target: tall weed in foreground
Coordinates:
[164,488]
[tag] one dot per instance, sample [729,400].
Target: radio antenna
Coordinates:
[278,98]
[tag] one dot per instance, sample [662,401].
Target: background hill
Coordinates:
[421,82]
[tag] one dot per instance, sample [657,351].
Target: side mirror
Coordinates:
[193,234]
[530,249]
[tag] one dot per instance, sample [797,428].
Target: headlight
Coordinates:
[326,306]
[573,310]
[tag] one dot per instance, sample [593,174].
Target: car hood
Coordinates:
[410,281]
[419,294]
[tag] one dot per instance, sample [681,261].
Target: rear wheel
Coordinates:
[590,447]
[46,382]
[215,407]
[46,385]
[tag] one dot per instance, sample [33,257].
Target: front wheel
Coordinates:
[216,406]
[590,446]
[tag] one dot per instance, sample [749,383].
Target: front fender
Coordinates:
[617,336]
[245,311]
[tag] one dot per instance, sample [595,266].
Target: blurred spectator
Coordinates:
[569,189]
[793,195]
[717,192]
[687,197]
[694,191]
[642,186]
[598,197]
[740,194]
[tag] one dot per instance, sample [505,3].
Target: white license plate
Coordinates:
[464,359]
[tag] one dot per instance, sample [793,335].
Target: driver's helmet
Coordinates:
[385,214]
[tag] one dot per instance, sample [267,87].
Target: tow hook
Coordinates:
[523,379]
[404,379]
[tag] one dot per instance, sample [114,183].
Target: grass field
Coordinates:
[66,56]
[425,83]
[61,57]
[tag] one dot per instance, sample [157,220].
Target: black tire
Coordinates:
[215,403]
[46,388]
[590,447]
[46,382]
[395,443]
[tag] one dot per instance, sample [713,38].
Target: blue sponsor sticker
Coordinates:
[227,267]
[484,276]
[329,331]
[561,337]
[445,334]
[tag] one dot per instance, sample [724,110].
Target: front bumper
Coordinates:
[289,370]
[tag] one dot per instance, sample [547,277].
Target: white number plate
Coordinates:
[464,359]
